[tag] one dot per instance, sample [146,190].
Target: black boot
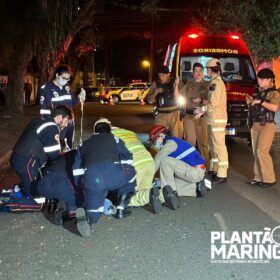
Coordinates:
[171,198]
[122,210]
[61,213]
[155,201]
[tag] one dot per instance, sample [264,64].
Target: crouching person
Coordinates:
[62,183]
[145,169]
[38,144]
[180,164]
[108,166]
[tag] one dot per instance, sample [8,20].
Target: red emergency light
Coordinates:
[235,37]
[193,36]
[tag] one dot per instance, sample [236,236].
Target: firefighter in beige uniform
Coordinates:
[216,116]
[196,93]
[262,107]
[163,94]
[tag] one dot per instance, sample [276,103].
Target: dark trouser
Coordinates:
[56,185]
[100,178]
[68,134]
[27,168]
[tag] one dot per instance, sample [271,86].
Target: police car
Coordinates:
[132,92]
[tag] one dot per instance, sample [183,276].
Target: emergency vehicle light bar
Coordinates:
[235,37]
[193,36]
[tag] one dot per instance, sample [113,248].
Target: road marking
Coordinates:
[222,224]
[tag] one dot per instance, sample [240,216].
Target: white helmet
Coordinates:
[213,62]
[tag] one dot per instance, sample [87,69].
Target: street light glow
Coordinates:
[146,63]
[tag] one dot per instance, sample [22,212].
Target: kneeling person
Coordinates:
[180,164]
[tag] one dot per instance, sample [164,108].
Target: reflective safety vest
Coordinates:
[186,152]
[140,155]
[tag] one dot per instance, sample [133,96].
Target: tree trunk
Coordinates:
[16,70]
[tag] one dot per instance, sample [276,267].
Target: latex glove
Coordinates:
[198,112]
[82,95]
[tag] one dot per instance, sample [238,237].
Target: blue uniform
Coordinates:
[186,152]
[52,96]
[38,143]
[60,181]
[108,166]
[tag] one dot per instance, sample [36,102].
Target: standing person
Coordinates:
[38,143]
[108,166]
[181,166]
[27,91]
[58,92]
[216,117]
[162,94]
[196,93]
[262,107]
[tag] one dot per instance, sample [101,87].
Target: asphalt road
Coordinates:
[171,245]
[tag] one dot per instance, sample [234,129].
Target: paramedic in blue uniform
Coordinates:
[180,164]
[62,181]
[108,166]
[58,92]
[38,143]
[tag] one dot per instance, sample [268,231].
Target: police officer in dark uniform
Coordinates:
[262,107]
[163,95]
[38,143]
[58,92]
[108,166]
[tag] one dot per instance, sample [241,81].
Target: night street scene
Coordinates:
[140,140]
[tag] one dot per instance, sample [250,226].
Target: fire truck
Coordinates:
[238,70]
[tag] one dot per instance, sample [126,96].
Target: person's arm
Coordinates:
[150,97]
[48,134]
[168,148]
[45,101]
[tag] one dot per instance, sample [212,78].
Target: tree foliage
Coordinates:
[41,28]
[256,20]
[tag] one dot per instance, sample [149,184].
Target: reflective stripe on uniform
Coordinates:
[218,129]
[142,160]
[185,153]
[214,160]
[52,148]
[61,98]
[132,180]
[77,172]
[41,127]
[223,162]
[129,161]
[220,121]
[135,147]
[45,112]
[100,209]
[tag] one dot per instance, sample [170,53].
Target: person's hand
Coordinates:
[249,99]
[82,95]
[255,101]
[196,100]
[198,112]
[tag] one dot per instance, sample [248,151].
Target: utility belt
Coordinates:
[167,111]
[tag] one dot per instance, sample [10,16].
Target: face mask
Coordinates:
[158,146]
[61,81]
